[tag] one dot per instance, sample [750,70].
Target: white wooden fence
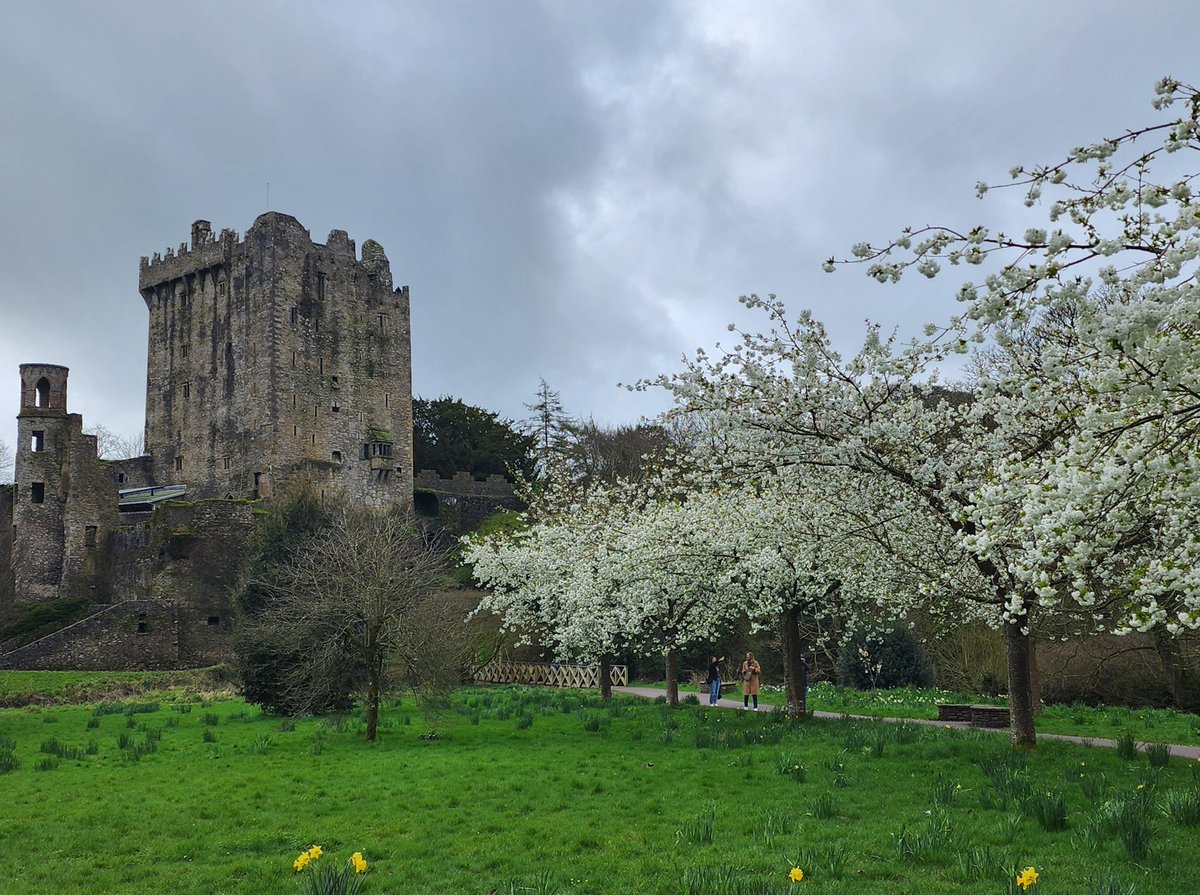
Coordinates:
[552,675]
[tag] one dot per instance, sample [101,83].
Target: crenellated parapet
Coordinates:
[464,484]
[206,251]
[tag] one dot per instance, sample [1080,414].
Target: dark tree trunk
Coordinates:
[372,704]
[793,663]
[1020,685]
[673,676]
[1182,681]
[606,677]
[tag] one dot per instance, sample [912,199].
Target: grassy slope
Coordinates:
[596,811]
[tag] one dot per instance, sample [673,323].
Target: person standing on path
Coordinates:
[714,679]
[751,673]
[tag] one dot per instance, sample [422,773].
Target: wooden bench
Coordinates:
[975,715]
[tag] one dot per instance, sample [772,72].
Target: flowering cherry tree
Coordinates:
[1091,323]
[609,566]
[1064,484]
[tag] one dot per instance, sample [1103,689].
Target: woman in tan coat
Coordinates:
[751,672]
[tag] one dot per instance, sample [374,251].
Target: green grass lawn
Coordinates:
[547,791]
[1110,722]
[22,687]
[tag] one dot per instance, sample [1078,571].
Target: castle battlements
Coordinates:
[208,250]
[463,483]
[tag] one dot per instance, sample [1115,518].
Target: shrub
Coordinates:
[888,659]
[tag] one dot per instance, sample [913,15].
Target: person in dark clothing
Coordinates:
[714,679]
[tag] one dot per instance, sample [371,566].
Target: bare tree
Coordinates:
[112,445]
[351,590]
[6,463]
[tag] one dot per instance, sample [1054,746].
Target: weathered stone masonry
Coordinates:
[274,356]
[270,358]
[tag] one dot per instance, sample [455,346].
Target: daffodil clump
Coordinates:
[1027,879]
[328,878]
[796,875]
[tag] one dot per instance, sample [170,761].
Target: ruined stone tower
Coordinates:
[62,507]
[273,357]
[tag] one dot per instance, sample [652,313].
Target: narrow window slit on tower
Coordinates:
[37,492]
[143,626]
[295,316]
[187,390]
[179,464]
[89,536]
[38,442]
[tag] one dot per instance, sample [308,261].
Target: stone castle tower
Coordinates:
[62,502]
[273,357]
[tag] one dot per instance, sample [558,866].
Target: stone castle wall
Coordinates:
[459,503]
[270,358]
[64,503]
[275,356]
[134,635]
[176,569]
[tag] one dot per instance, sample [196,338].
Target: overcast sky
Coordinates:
[575,191]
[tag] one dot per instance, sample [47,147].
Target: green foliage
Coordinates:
[450,436]
[327,878]
[932,839]
[1183,806]
[263,663]
[1048,807]
[1158,754]
[1127,747]
[824,807]
[884,660]
[700,830]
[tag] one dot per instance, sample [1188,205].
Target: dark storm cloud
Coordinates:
[572,191]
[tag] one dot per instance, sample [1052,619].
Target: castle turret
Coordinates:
[63,505]
[42,481]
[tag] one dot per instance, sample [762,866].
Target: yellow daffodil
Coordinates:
[315,852]
[357,860]
[796,875]
[301,862]
[1027,877]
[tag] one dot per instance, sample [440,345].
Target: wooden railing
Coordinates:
[552,675]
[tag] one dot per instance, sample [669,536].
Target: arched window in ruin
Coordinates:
[425,503]
[41,393]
